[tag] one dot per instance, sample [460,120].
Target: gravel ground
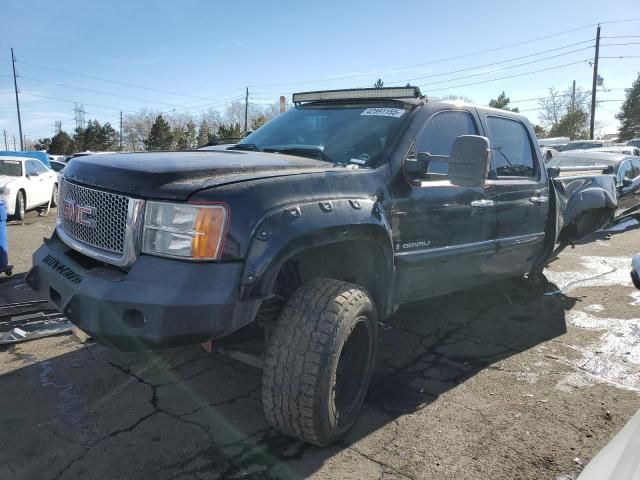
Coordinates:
[498,382]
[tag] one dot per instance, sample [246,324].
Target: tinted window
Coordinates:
[441,131]
[635,143]
[437,138]
[11,168]
[636,167]
[57,166]
[511,152]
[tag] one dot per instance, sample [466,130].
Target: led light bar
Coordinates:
[358,94]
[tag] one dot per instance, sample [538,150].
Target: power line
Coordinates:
[69,101]
[441,60]
[115,82]
[504,78]
[73,87]
[491,71]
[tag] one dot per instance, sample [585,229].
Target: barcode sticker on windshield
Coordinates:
[384,112]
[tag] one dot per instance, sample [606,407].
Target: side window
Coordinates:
[30,167]
[40,168]
[437,138]
[511,152]
[636,167]
[625,170]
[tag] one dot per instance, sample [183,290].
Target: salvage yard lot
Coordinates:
[498,382]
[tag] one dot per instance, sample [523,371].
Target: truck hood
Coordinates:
[177,175]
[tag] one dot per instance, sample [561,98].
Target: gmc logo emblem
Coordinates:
[78,213]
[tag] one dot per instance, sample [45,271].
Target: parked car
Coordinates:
[586,144]
[627,150]
[635,271]
[312,228]
[635,142]
[57,166]
[42,156]
[626,169]
[26,184]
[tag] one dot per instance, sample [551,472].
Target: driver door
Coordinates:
[36,182]
[443,234]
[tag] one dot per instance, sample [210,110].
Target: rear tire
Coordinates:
[20,206]
[319,360]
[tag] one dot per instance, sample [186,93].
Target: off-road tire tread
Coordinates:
[307,326]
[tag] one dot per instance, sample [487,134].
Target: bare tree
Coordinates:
[558,104]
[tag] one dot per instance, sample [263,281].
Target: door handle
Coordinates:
[483,203]
[538,200]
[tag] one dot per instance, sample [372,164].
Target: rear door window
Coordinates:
[625,170]
[511,151]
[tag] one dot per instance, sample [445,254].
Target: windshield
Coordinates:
[354,134]
[634,143]
[11,168]
[582,145]
[57,166]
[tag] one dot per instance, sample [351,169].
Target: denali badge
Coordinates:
[78,213]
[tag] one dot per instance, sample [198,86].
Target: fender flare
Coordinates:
[288,231]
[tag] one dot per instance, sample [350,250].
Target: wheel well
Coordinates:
[24,194]
[356,261]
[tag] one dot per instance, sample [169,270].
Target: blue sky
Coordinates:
[195,53]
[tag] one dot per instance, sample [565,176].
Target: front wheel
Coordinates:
[20,206]
[54,195]
[319,360]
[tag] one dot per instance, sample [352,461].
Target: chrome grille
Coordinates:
[110,217]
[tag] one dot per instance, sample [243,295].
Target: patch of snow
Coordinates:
[596,272]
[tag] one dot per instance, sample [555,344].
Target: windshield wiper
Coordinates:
[303,151]
[245,146]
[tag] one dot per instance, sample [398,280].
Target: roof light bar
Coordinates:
[358,94]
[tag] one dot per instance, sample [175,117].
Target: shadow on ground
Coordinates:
[95,413]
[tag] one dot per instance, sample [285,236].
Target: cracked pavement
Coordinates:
[499,382]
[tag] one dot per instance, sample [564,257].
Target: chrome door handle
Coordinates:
[483,203]
[538,200]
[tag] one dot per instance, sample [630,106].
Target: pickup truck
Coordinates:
[314,227]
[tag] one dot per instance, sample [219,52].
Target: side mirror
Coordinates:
[415,168]
[469,161]
[627,182]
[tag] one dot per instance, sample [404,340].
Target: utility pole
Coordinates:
[6,145]
[14,141]
[15,86]
[120,129]
[573,97]
[246,111]
[592,124]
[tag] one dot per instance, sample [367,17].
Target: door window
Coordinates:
[626,170]
[636,167]
[30,167]
[39,166]
[511,151]
[437,138]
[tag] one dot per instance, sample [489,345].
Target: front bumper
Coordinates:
[158,303]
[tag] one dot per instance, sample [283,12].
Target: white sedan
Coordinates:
[25,184]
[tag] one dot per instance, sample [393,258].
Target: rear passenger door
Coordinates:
[521,194]
[628,195]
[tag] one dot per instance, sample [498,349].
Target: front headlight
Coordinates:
[184,230]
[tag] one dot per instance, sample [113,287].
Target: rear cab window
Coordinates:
[437,138]
[512,154]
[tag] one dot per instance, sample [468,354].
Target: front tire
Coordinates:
[319,360]
[20,206]
[54,195]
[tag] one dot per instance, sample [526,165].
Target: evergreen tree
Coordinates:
[629,115]
[257,122]
[574,125]
[42,144]
[540,131]
[502,102]
[61,144]
[160,136]
[204,134]
[379,83]
[230,132]
[185,136]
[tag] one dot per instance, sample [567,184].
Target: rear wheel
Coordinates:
[319,360]
[20,206]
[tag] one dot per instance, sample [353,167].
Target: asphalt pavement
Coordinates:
[498,382]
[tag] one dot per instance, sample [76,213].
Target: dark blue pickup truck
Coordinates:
[314,227]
